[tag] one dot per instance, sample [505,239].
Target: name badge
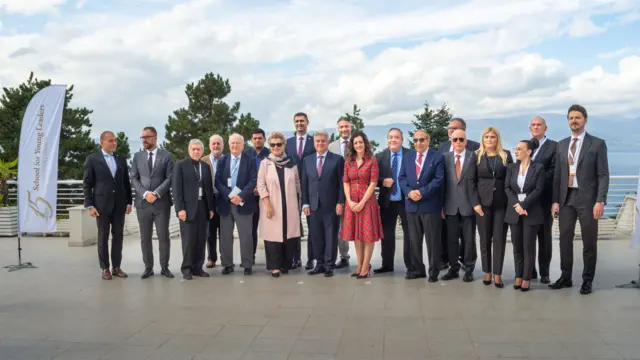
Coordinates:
[229,182]
[521,197]
[200,192]
[572,169]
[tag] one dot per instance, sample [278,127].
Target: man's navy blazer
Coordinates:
[246,181]
[292,150]
[429,182]
[326,189]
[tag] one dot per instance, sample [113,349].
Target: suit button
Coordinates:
[418,182]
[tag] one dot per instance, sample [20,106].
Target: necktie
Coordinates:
[394,174]
[457,166]
[571,162]
[418,165]
[300,139]
[320,165]
[109,158]
[234,172]
[150,161]
[344,146]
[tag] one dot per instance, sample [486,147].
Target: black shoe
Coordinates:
[328,273]
[275,274]
[166,273]
[432,279]
[450,275]
[343,263]
[310,265]
[187,276]
[444,266]
[146,273]
[201,273]
[382,270]
[517,287]
[248,271]
[545,280]
[296,264]
[415,275]
[468,276]
[486,282]
[586,288]
[317,271]
[561,283]
[525,289]
[227,270]
[498,285]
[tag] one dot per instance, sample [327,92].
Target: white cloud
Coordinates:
[616,53]
[30,7]
[321,57]
[582,26]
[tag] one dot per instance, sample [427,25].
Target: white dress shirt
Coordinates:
[575,158]
[462,155]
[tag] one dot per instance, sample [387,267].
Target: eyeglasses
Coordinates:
[458,139]
[147,137]
[419,140]
[276,145]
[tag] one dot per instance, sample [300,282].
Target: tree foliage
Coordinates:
[123,150]
[434,122]
[75,135]
[206,114]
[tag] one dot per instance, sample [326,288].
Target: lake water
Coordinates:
[624,163]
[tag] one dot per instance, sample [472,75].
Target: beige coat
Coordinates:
[269,186]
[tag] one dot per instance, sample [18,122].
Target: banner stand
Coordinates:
[21,265]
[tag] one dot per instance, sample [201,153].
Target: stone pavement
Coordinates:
[63,310]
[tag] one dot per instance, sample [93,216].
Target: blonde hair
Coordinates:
[277,135]
[499,150]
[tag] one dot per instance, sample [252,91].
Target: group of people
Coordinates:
[441,197]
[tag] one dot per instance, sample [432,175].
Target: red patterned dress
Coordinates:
[366,224]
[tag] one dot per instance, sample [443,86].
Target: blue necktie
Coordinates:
[109,159]
[234,173]
[394,174]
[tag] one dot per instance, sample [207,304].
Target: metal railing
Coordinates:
[618,218]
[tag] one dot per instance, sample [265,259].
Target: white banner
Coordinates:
[38,160]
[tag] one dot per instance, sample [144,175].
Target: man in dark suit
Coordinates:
[580,187]
[391,202]
[151,171]
[460,204]
[236,179]
[107,195]
[421,178]
[544,155]
[257,152]
[298,147]
[445,147]
[323,202]
[216,146]
[195,205]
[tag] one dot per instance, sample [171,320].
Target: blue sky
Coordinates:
[485,58]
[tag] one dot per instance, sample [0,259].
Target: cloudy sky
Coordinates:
[485,58]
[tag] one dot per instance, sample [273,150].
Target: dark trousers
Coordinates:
[254,229]
[212,238]
[523,238]
[324,226]
[194,239]
[458,227]
[388,243]
[444,244]
[545,244]
[423,225]
[279,254]
[493,236]
[571,212]
[114,223]
[298,251]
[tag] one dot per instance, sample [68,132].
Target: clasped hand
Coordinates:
[520,210]
[415,195]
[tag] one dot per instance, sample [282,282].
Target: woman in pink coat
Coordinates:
[279,189]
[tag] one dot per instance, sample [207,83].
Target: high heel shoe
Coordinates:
[500,284]
[355,274]
[487,282]
[517,286]
[360,276]
[525,289]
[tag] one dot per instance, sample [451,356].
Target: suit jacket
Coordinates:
[246,181]
[384,169]
[460,195]
[292,150]
[107,193]
[327,189]
[429,182]
[533,187]
[186,186]
[446,145]
[158,181]
[207,160]
[592,172]
[334,146]
[252,153]
[546,156]
[490,186]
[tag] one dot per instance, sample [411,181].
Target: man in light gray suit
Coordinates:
[151,172]
[460,202]
[339,147]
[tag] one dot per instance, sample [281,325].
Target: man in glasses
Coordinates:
[151,171]
[421,177]
[257,152]
[456,123]
[339,147]
[460,195]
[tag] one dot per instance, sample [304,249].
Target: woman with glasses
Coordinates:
[524,184]
[279,189]
[362,223]
[492,169]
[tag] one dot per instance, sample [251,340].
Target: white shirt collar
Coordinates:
[579,137]
[324,154]
[462,154]
[104,153]
[304,136]
[154,151]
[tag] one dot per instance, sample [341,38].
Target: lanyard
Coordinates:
[198,171]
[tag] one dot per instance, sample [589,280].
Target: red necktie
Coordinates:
[458,168]
[418,165]
[320,165]
[300,146]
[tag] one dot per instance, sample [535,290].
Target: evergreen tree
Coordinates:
[358,124]
[123,150]
[434,122]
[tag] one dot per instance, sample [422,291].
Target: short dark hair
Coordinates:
[578,108]
[396,129]
[105,133]
[150,128]
[343,118]
[461,120]
[301,114]
[258,131]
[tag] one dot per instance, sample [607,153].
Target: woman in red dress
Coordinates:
[362,222]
